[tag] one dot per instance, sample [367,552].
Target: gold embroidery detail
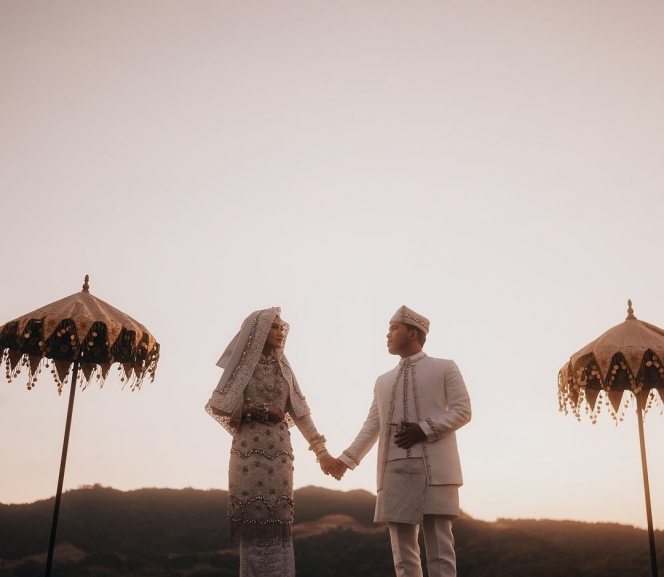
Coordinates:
[352,457]
[436,432]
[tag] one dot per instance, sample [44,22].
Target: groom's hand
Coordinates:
[408,435]
[338,469]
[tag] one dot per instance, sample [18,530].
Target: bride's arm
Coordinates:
[316,441]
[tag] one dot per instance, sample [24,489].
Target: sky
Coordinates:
[494,165]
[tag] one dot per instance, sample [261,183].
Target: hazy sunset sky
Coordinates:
[498,166]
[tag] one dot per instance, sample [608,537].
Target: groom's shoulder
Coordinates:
[388,375]
[438,363]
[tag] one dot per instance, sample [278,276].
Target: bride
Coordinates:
[257,400]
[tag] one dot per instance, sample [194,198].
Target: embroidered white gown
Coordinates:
[260,500]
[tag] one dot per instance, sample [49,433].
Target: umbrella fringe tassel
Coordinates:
[132,374]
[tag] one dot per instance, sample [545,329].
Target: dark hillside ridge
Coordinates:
[184,533]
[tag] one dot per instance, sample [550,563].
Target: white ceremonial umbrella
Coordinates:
[624,365]
[81,336]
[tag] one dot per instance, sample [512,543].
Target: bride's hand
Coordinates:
[327,462]
[275,415]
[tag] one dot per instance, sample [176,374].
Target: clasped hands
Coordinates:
[407,435]
[332,466]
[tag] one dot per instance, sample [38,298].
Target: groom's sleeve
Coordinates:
[365,439]
[458,411]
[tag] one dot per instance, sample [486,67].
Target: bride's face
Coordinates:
[275,337]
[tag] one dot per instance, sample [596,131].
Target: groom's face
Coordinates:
[398,337]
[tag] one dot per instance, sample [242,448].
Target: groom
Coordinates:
[416,409]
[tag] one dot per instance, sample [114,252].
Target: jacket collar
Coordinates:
[416,357]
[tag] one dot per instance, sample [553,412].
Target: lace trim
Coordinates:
[226,421]
[425,447]
[265,454]
[352,457]
[240,364]
[416,319]
[436,432]
[269,531]
[242,505]
[406,415]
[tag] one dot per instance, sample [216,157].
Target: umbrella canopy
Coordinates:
[625,361]
[79,328]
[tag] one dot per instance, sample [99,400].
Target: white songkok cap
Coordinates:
[409,317]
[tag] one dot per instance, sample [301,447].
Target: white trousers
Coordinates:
[438,542]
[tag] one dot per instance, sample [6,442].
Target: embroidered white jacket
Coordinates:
[442,406]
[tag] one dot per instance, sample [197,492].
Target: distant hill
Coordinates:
[184,533]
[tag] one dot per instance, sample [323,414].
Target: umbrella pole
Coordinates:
[646,485]
[61,477]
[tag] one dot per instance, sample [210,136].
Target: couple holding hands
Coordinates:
[416,408]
